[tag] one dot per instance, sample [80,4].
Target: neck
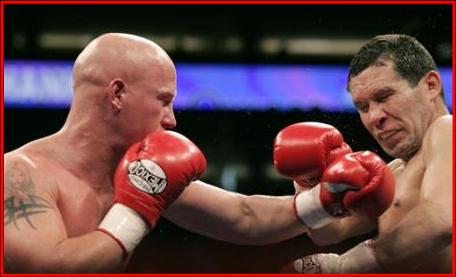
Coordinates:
[89,150]
[440,110]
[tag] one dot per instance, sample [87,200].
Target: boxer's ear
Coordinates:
[433,84]
[116,89]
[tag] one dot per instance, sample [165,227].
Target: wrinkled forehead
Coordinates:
[374,77]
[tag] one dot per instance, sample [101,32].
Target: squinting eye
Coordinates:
[383,99]
[362,109]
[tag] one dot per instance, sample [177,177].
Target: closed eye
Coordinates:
[383,98]
[383,95]
[362,108]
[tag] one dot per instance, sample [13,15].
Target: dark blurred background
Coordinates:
[237,143]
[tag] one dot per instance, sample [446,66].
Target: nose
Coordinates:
[377,115]
[169,120]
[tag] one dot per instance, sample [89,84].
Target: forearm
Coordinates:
[233,217]
[251,220]
[424,231]
[92,252]
[268,219]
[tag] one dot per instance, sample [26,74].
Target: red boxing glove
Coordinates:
[154,172]
[150,176]
[302,151]
[360,183]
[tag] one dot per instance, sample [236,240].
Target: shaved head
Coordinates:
[116,55]
[119,79]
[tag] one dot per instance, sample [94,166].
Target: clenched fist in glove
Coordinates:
[302,151]
[358,183]
[150,176]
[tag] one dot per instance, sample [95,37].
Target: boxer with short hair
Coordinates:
[397,90]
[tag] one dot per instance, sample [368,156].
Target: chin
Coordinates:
[403,149]
[403,153]
[392,153]
[396,151]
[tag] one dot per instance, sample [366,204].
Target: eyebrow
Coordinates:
[377,93]
[357,104]
[166,96]
[384,90]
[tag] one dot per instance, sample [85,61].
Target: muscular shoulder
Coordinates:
[26,174]
[438,138]
[441,126]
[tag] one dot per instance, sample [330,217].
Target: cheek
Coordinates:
[145,113]
[155,114]
[364,120]
[152,107]
[411,109]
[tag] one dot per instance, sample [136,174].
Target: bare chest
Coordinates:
[408,186]
[407,196]
[82,208]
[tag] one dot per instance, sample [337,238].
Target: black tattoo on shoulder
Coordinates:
[22,202]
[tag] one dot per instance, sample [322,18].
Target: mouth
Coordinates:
[386,135]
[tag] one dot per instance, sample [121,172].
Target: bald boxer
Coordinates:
[81,200]
[113,148]
[397,90]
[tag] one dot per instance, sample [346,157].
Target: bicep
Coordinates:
[32,234]
[33,225]
[437,180]
[436,187]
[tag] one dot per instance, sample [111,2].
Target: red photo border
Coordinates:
[3,3]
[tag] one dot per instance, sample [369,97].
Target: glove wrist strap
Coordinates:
[125,226]
[309,209]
